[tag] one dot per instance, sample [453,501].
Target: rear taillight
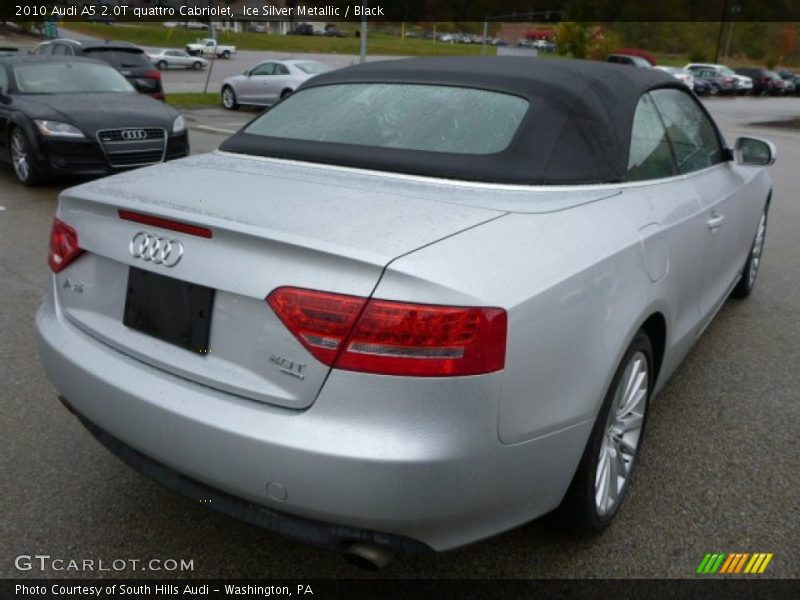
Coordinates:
[64,246]
[729,80]
[393,338]
[153,74]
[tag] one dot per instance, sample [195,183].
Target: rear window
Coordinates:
[119,58]
[430,118]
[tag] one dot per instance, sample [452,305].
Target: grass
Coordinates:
[193,99]
[378,43]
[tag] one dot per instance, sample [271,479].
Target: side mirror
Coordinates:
[754,152]
[246,73]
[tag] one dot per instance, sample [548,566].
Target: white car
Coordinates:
[166,59]
[268,82]
[682,75]
[210,47]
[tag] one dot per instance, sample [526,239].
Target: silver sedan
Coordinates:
[415,304]
[167,59]
[266,83]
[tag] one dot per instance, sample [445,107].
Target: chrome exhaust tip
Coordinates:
[368,557]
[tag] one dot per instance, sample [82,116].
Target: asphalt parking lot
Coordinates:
[720,469]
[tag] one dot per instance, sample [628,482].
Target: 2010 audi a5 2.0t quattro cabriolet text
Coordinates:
[415,304]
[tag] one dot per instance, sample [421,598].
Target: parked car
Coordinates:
[210,47]
[166,59]
[268,82]
[301,29]
[779,85]
[793,79]
[723,75]
[681,75]
[701,87]
[633,61]
[719,83]
[126,58]
[762,80]
[334,31]
[75,116]
[398,339]
[544,46]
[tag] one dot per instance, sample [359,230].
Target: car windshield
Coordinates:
[68,78]
[430,118]
[312,68]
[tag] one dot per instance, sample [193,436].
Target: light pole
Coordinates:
[363,56]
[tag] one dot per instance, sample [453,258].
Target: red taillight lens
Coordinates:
[178,226]
[729,80]
[321,321]
[394,338]
[64,246]
[153,74]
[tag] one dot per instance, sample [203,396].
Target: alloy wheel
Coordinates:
[19,156]
[758,246]
[227,98]
[622,434]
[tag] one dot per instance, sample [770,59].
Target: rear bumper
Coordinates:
[415,460]
[317,533]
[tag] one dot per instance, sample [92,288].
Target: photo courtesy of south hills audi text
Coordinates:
[166,590]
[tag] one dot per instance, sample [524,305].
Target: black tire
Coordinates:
[20,147]
[226,54]
[715,90]
[749,276]
[285,93]
[579,508]
[161,65]
[228,97]
[197,65]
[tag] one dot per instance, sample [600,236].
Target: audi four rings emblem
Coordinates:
[133,134]
[159,251]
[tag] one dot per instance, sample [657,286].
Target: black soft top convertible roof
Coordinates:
[577,129]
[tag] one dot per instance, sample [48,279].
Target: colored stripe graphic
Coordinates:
[726,566]
[703,563]
[718,564]
[765,563]
[741,562]
[734,562]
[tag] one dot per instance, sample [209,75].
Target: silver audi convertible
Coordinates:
[415,304]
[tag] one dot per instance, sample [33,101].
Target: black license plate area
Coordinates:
[169,309]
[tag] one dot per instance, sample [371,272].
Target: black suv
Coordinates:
[126,58]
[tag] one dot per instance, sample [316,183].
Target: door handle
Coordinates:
[715,221]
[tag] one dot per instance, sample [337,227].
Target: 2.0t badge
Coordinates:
[159,251]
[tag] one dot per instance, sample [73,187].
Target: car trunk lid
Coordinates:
[270,227]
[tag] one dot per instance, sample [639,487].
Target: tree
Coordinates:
[572,38]
[788,40]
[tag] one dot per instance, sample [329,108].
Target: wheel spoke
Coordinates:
[623,431]
[630,422]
